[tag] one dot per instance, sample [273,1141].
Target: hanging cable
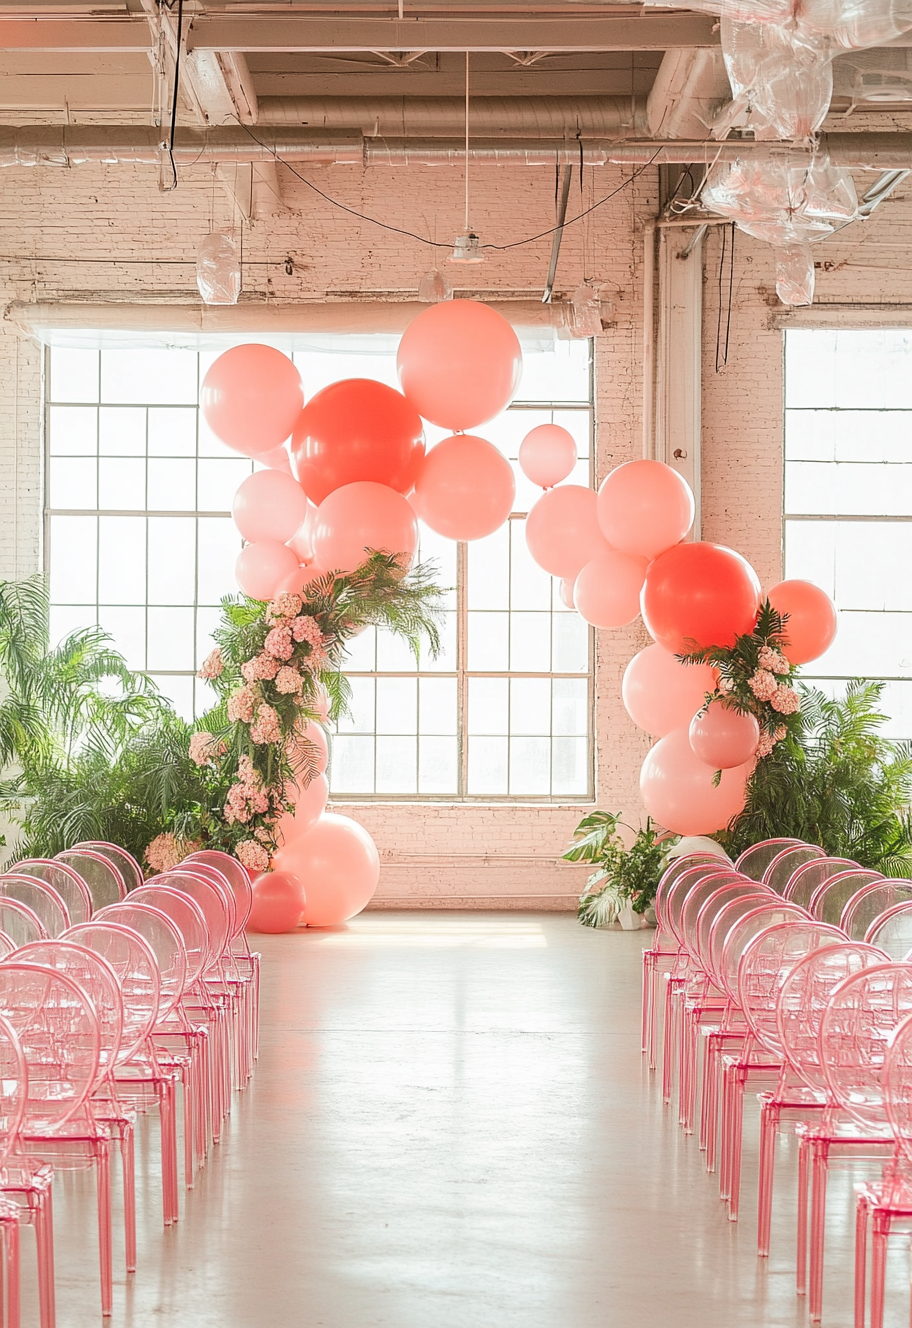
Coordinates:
[467,226]
[177,56]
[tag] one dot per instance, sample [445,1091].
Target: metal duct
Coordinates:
[418,117]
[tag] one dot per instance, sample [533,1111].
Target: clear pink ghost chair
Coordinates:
[105,883]
[13,1102]
[42,899]
[21,923]
[125,863]
[754,861]
[784,865]
[69,884]
[892,931]
[829,900]
[870,902]
[891,1200]
[807,878]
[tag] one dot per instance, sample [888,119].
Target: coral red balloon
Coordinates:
[607,591]
[812,624]
[562,530]
[547,455]
[251,398]
[699,595]
[459,363]
[361,517]
[644,507]
[465,489]
[357,429]
[661,694]
[269,505]
[309,806]
[278,902]
[262,567]
[678,790]
[723,737]
[340,863]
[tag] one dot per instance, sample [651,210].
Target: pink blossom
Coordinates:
[726,686]
[247,772]
[307,629]
[166,851]
[316,661]
[240,705]
[263,835]
[773,661]
[786,700]
[252,855]
[765,746]
[278,643]
[204,749]
[212,665]
[261,668]
[288,680]
[266,727]
[285,605]
[763,685]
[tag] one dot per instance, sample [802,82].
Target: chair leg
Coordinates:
[879,1233]
[819,1162]
[801,1260]
[861,1258]
[11,1272]
[105,1239]
[668,1048]
[128,1165]
[736,1125]
[769,1125]
[43,1218]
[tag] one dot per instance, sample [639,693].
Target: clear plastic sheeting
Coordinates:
[784,198]
[783,76]
[218,269]
[585,312]
[433,288]
[795,275]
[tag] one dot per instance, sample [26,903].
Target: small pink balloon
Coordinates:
[723,737]
[269,505]
[251,398]
[309,806]
[277,459]
[644,507]
[301,541]
[547,455]
[363,516]
[607,590]
[566,591]
[262,566]
[465,488]
[340,863]
[296,582]
[278,902]
[678,790]
[562,530]
[661,694]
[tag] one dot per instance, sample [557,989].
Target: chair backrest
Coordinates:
[860,1015]
[767,960]
[105,882]
[754,861]
[7,945]
[870,902]
[58,1030]
[238,878]
[13,1087]
[42,899]
[742,933]
[165,940]
[712,907]
[809,876]
[699,895]
[892,931]
[725,919]
[97,979]
[212,901]
[133,962]
[897,1082]
[804,995]
[828,902]
[216,878]
[784,865]
[68,883]
[21,923]
[676,868]
[125,863]
[186,915]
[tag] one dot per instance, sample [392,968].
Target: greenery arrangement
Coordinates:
[623,876]
[90,750]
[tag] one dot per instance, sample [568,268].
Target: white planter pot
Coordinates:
[629,920]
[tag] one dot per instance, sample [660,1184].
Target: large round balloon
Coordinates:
[297,582]
[699,595]
[359,517]
[459,363]
[301,541]
[607,591]
[269,505]
[562,530]
[357,429]
[251,398]
[278,902]
[660,693]
[723,737]
[644,507]
[465,489]
[678,790]
[262,567]
[547,455]
[309,806]
[340,864]
[812,623]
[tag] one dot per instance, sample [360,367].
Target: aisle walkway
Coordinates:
[451,1127]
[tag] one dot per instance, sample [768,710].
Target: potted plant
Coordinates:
[625,880]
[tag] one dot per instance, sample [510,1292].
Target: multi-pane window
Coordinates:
[139,539]
[848,500]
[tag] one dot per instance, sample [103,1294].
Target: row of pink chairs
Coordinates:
[117,995]
[791,972]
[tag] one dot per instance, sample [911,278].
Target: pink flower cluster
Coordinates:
[278,643]
[786,700]
[240,705]
[247,797]
[204,748]
[166,851]
[307,629]
[317,660]
[286,605]
[212,665]
[252,855]
[763,685]
[266,727]
[772,661]
[261,668]
[288,681]
[769,740]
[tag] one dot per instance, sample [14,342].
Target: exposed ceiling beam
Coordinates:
[73,34]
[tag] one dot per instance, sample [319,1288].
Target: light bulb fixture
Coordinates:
[467,249]
[433,288]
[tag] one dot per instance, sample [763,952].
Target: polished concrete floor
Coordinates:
[451,1126]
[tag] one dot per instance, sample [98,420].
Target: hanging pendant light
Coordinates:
[468,247]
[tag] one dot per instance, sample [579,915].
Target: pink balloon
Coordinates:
[277,459]
[566,591]
[459,363]
[547,455]
[465,488]
[723,738]
[296,582]
[301,541]
[310,804]
[363,516]
[562,530]
[269,505]
[644,507]
[660,694]
[340,863]
[251,398]
[678,790]
[607,590]
[812,620]
[278,902]
[262,566]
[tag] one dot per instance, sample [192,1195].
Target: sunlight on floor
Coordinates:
[436,932]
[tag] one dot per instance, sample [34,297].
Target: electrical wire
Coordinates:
[177,57]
